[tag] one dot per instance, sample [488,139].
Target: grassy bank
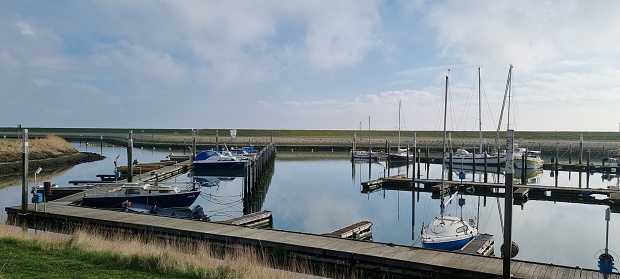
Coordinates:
[48,146]
[89,255]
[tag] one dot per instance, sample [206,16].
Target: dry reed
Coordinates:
[169,256]
[49,146]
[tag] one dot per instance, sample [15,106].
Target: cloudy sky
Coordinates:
[280,64]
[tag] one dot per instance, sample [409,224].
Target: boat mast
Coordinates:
[479,110]
[443,165]
[369,145]
[397,151]
[506,92]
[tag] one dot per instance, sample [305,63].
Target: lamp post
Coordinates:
[39,169]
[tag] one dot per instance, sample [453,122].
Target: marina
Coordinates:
[312,187]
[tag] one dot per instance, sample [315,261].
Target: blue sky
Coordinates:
[278,64]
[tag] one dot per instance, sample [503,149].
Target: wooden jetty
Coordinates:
[360,230]
[262,219]
[483,244]
[361,257]
[522,192]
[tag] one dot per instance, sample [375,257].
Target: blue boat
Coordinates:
[162,196]
[448,233]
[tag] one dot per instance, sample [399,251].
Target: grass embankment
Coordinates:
[88,255]
[39,148]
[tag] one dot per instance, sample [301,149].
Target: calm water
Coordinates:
[322,195]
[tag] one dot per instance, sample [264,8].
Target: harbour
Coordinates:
[357,171]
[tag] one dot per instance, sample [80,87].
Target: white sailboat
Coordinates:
[364,154]
[533,158]
[464,157]
[401,154]
[447,232]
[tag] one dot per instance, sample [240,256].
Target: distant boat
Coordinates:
[401,154]
[162,196]
[464,157]
[211,162]
[533,159]
[447,232]
[363,154]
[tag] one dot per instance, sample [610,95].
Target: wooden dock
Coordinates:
[262,219]
[361,257]
[522,192]
[360,230]
[483,244]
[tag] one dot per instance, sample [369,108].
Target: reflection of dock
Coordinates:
[521,195]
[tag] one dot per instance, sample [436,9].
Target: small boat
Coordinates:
[196,212]
[163,196]
[401,154]
[464,157]
[447,232]
[363,154]
[211,162]
[533,159]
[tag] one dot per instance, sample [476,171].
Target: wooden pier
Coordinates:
[354,256]
[360,230]
[522,193]
[263,219]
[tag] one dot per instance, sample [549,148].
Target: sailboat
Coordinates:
[464,157]
[533,159]
[447,232]
[363,154]
[401,154]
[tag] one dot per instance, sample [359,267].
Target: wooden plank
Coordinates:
[369,254]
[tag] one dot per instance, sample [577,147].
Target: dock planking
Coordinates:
[397,260]
[522,192]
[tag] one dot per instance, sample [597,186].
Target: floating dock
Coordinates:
[362,257]
[522,192]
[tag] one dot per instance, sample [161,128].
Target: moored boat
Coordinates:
[447,232]
[211,162]
[163,196]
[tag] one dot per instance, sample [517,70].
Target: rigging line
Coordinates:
[501,219]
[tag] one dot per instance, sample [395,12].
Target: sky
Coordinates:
[333,64]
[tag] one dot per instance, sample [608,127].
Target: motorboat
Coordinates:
[533,158]
[211,162]
[144,193]
[463,157]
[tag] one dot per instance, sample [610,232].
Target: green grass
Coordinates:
[34,259]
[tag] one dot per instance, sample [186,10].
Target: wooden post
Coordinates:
[580,148]
[194,145]
[507,246]
[570,153]
[25,172]
[524,168]
[415,147]
[130,157]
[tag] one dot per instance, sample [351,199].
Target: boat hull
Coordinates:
[232,168]
[448,245]
[183,199]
